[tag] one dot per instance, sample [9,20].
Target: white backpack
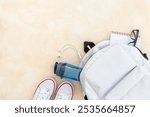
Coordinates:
[115,70]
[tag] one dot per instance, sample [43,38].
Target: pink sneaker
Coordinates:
[64,91]
[45,89]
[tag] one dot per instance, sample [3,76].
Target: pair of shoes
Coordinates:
[47,90]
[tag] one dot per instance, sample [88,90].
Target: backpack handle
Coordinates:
[88,45]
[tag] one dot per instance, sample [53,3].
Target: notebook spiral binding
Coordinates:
[120,33]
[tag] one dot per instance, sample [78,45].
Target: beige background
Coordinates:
[31,31]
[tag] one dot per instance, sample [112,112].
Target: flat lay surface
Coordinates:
[32,31]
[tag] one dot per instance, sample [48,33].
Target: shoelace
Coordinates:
[43,94]
[63,96]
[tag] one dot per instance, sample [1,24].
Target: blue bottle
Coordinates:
[65,70]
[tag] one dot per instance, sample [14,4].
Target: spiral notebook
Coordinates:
[123,38]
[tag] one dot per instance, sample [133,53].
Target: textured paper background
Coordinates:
[31,31]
